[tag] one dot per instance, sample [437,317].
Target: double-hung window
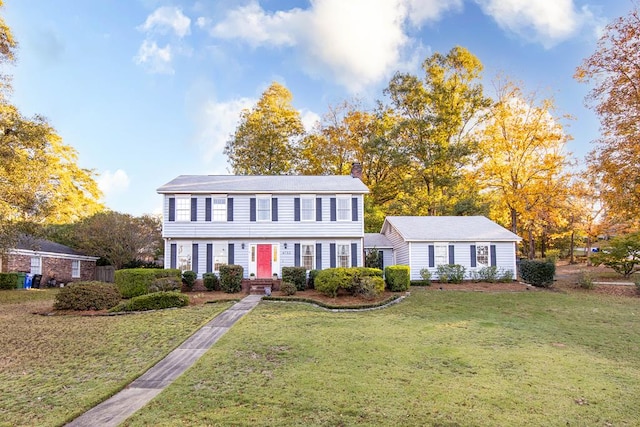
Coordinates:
[220,256]
[36,265]
[343,255]
[307,252]
[219,208]
[441,254]
[482,255]
[307,208]
[264,208]
[183,256]
[75,268]
[183,209]
[344,208]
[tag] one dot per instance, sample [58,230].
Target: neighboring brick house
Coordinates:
[49,259]
[263,223]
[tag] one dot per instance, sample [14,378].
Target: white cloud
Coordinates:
[216,121]
[309,119]
[111,183]
[154,58]
[543,21]
[167,18]
[421,11]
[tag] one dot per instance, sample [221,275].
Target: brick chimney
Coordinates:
[356,170]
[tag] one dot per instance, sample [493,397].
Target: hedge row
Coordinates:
[140,281]
[355,280]
[537,273]
[8,280]
[87,296]
[153,301]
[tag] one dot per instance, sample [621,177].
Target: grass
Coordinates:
[53,368]
[438,358]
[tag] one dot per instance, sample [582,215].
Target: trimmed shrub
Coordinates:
[189,279]
[537,273]
[164,284]
[328,281]
[211,281]
[485,274]
[398,277]
[153,301]
[288,288]
[420,283]
[295,275]
[8,280]
[425,273]
[505,276]
[450,273]
[87,296]
[369,287]
[231,278]
[139,281]
[311,283]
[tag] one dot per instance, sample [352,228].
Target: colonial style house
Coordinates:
[48,260]
[263,223]
[429,241]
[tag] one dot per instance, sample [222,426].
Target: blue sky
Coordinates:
[146,90]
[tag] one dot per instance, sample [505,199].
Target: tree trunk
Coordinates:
[514,221]
[532,245]
[571,257]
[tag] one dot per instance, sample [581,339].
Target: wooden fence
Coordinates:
[105,273]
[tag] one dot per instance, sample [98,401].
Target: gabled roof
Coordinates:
[376,240]
[191,184]
[449,229]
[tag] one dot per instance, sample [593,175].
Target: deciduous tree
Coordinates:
[266,140]
[614,69]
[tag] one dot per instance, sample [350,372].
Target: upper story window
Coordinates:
[183,209]
[219,208]
[264,208]
[307,208]
[344,208]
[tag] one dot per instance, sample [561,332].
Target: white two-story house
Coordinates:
[263,223]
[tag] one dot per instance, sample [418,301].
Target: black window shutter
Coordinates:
[318,209]
[252,209]
[194,257]
[232,258]
[332,205]
[296,255]
[172,208]
[354,254]
[209,257]
[194,209]
[174,255]
[230,209]
[473,256]
[432,256]
[274,209]
[354,209]
[332,255]
[381,260]
[452,251]
[207,209]
[296,209]
[318,256]
[493,255]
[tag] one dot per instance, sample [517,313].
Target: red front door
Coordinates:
[264,261]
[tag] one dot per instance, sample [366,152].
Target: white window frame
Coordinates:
[220,255]
[480,254]
[36,267]
[219,209]
[343,208]
[341,256]
[75,268]
[308,212]
[184,255]
[263,213]
[441,254]
[311,257]
[183,209]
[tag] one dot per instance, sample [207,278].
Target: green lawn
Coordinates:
[53,368]
[438,358]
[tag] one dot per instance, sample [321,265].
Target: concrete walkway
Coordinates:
[121,406]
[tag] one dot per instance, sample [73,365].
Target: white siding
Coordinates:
[400,247]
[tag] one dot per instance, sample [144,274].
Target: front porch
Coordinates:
[258,286]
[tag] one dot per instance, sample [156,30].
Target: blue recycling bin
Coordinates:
[28,279]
